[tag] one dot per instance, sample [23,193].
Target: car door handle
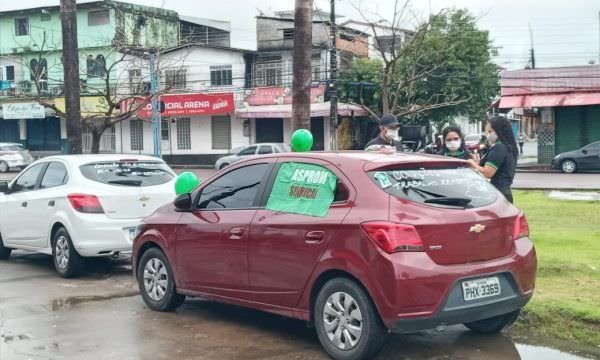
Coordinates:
[51,203]
[314,237]
[24,204]
[236,233]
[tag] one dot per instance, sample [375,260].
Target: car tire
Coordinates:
[4,167]
[568,166]
[223,166]
[494,324]
[156,281]
[4,251]
[67,262]
[351,330]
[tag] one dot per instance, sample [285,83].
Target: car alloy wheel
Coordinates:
[3,166]
[569,166]
[62,252]
[342,320]
[156,279]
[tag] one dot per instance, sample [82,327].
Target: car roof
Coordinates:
[89,158]
[370,160]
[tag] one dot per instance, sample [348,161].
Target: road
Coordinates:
[100,316]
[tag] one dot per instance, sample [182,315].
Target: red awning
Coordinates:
[285,111]
[557,100]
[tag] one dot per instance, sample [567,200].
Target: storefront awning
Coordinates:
[549,100]
[285,111]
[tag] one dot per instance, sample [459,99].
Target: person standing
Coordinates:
[454,143]
[500,162]
[521,139]
[388,133]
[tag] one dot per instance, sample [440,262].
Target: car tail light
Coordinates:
[88,204]
[392,237]
[521,228]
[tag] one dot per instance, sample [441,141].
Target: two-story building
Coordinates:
[268,104]
[32,69]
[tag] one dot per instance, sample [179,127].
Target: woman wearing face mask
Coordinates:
[454,144]
[500,162]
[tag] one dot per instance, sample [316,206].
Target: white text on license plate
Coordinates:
[480,288]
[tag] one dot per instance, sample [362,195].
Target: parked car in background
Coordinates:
[78,206]
[13,156]
[585,159]
[407,242]
[239,153]
[472,142]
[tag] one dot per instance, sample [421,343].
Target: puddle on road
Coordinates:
[66,303]
[530,352]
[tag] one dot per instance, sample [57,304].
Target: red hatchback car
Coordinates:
[408,242]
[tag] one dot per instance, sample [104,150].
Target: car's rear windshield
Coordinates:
[128,173]
[11,148]
[461,186]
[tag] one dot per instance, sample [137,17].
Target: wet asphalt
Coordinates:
[101,316]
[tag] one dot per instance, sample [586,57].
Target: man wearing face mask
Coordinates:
[388,134]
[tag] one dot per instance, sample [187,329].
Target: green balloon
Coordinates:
[302,140]
[186,182]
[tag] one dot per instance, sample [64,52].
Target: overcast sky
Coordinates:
[564,32]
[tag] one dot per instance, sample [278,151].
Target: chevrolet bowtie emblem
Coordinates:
[477,228]
[144,199]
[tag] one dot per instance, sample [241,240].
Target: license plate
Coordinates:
[480,288]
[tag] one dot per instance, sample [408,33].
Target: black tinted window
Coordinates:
[248,151]
[234,190]
[27,180]
[265,150]
[128,173]
[426,185]
[55,175]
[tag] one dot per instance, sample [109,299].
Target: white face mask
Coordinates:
[453,145]
[492,137]
[392,134]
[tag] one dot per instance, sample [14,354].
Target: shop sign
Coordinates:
[30,110]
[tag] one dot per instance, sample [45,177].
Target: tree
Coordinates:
[107,76]
[441,69]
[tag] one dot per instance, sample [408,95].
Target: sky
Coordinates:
[565,33]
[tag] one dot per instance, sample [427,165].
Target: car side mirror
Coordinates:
[183,202]
[584,151]
[4,188]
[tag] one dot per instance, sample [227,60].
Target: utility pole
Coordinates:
[302,65]
[333,99]
[68,15]
[598,37]
[155,110]
[532,53]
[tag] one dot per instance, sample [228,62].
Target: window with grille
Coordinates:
[135,81]
[136,133]
[184,136]
[22,26]
[220,75]
[288,34]
[176,78]
[272,73]
[164,129]
[98,17]
[221,133]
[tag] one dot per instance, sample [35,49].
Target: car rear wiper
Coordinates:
[126,182]
[452,201]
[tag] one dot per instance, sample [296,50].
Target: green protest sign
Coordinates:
[303,189]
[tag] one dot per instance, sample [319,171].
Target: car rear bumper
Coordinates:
[95,235]
[17,163]
[457,311]
[425,294]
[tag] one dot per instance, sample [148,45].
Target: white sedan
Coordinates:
[77,206]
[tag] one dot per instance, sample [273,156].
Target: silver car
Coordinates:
[240,153]
[13,155]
